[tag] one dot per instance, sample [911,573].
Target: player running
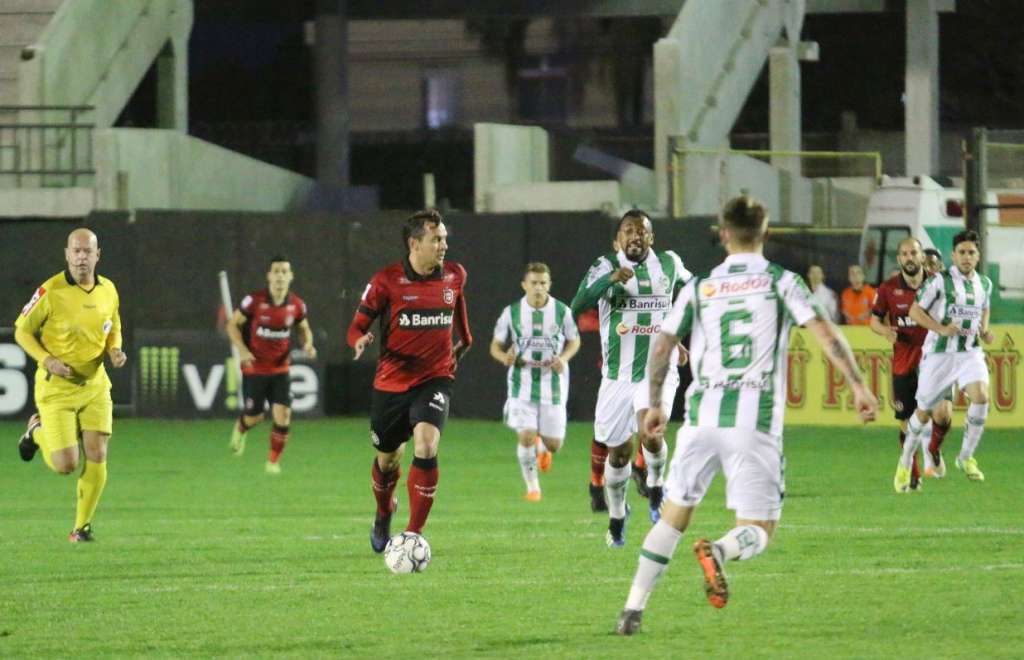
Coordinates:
[418,301]
[261,330]
[954,307]
[71,323]
[535,337]
[738,319]
[633,290]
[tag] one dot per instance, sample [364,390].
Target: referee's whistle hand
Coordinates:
[117,357]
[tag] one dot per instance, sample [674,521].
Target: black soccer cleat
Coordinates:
[597,501]
[629,622]
[657,494]
[27,447]
[381,532]
[82,535]
[616,535]
[640,479]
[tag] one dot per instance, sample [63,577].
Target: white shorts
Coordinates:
[940,371]
[752,462]
[545,419]
[618,402]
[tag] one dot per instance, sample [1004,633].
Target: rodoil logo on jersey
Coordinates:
[624,329]
[425,319]
[733,286]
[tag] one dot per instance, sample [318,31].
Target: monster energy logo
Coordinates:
[159,367]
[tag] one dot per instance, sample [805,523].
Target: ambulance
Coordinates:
[919,206]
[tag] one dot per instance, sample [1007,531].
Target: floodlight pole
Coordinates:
[975,163]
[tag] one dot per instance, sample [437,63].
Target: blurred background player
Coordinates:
[740,317]
[821,292]
[633,289]
[541,337]
[890,318]
[72,321]
[856,300]
[942,417]
[261,330]
[418,300]
[954,306]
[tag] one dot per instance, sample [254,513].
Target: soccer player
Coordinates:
[541,337]
[890,319]
[69,325]
[738,318]
[633,290]
[261,330]
[954,307]
[418,301]
[934,464]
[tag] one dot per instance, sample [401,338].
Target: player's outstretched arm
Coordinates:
[655,420]
[838,351]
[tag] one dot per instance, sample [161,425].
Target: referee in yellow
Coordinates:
[70,323]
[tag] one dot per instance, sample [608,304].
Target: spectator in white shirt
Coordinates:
[825,296]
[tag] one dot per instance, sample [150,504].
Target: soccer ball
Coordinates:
[407,552]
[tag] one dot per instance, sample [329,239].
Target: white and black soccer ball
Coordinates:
[407,552]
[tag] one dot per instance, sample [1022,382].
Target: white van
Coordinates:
[918,206]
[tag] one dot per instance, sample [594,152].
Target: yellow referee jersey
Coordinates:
[74,325]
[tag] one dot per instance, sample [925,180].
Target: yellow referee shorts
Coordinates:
[66,408]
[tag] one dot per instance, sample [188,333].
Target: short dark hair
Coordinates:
[538,267]
[629,215]
[932,252]
[964,236]
[276,259]
[745,217]
[416,225]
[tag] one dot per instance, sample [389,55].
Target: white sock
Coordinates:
[973,427]
[528,466]
[909,449]
[615,481]
[659,546]
[655,463]
[743,542]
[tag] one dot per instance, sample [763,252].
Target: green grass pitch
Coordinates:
[202,554]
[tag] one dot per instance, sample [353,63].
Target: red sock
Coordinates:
[915,471]
[598,455]
[384,488]
[938,435]
[242,426]
[640,462]
[422,484]
[278,438]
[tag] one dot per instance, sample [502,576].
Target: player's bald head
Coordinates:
[909,242]
[82,236]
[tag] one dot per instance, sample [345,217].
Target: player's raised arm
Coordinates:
[593,286]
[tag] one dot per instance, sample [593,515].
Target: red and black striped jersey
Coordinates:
[892,305]
[416,314]
[267,331]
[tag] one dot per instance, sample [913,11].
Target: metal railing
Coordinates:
[46,146]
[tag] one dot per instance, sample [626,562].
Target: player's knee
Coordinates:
[252,420]
[552,444]
[64,464]
[980,398]
[389,462]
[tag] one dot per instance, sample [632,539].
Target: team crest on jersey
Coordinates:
[107,325]
[663,283]
[40,292]
[449,296]
[708,290]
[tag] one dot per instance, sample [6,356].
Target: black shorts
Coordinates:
[904,394]
[257,390]
[393,415]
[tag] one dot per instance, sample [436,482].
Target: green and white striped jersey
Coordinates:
[631,312]
[738,319]
[539,335]
[952,297]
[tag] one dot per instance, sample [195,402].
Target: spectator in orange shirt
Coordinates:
[857,299]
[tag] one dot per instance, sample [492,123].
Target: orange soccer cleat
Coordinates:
[714,577]
[543,456]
